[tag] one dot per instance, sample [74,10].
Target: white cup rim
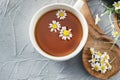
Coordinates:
[79,47]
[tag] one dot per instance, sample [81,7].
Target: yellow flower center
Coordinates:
[117,5]
[115,33]
[61,14]
[54,26]
[96,68]
[106,57]
[99,53]
[103,68]
[66,33]
[102,61]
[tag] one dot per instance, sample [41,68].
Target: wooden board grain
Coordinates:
[115,22]
[97,39]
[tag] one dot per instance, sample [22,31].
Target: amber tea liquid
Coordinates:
[50,42]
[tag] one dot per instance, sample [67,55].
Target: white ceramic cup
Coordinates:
[73,9]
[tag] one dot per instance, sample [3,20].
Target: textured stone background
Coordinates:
[20,61]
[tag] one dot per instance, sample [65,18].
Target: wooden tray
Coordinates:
[96,40]
[115,23]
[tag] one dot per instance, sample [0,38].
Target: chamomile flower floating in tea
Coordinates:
[61,14]
[49,28]
[99,61]
[54,26]
[65,34]
[117,5]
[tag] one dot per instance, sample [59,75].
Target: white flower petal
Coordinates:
[50,24]
[68,38]
[97,19]
[55,30]
[57,14]
[58,29]
[61,32]
[70,30]
[90,60]
[103,71]
[64,38]
[64,28]
[60,35]
[70,35]
[52,30]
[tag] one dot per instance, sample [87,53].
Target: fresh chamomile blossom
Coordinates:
[61,14]
[99,61]
[96,66]
[105,56]
[102,61]
[115,33]
[54,26]
[65,34]
[97,19]
[98,54]
[117,5]
[103,68]
[92,50]
[93,60]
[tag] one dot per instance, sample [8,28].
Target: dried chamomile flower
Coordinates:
[99,61]
[96,66]
[103,68]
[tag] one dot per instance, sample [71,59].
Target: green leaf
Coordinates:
[118,11]
[110,10]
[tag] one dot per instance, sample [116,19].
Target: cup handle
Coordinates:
[78,5]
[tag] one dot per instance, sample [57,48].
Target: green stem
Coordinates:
[112,46]
[115,41]
[109,42]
